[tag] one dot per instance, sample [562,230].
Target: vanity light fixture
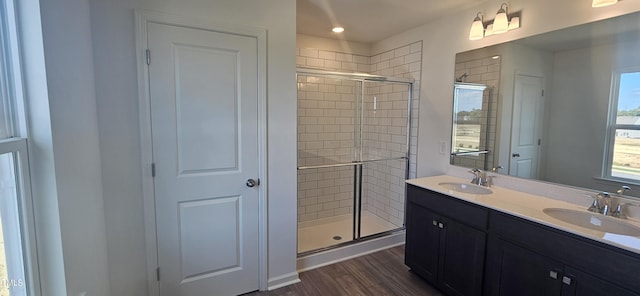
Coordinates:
[489,30]
[514,23]
[602,3]
[502,23]
[337,29]
[477,28]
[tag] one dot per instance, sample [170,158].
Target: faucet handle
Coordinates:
[594,206]
[605,208]
[623,189]
[618,213]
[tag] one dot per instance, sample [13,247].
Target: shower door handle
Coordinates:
[253,183]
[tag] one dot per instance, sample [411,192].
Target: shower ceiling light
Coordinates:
[477,28]
[601,3]
[337,29]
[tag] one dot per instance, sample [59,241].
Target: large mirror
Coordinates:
[567,105]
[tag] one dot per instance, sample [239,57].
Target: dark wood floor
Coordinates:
[381,273]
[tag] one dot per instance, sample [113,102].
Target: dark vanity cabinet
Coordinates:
[526,258]
[440,247]
[466,249]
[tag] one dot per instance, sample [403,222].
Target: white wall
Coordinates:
[118,120]
[446,37]
[43,183]
[68,54]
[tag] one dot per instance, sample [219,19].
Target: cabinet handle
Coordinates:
[566,280]
[553,274]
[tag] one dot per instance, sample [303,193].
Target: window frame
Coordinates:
[17,142]
[613,126]
[26,218]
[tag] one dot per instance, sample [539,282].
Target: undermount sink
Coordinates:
[593,221]
[465,188]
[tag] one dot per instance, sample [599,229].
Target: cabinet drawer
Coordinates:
[462,211]
[601,260]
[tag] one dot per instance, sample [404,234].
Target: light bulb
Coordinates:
[477,28]
[501,23]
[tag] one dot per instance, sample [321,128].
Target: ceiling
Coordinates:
[370,21]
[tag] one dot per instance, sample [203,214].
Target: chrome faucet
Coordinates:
[477,176]
[601,203]
[480,178]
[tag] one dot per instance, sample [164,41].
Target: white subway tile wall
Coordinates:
[327,132]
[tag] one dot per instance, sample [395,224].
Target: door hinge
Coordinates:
[153,170]
[539,141]
[543,92]
[158,274]
[148,55]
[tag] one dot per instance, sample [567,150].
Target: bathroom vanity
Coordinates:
[507,242]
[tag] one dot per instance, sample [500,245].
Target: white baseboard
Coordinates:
[351,251]
[283,280]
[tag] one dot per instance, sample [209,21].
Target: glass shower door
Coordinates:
[352,158]
[384,152]
[326,136]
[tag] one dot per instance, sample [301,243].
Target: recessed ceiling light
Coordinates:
[338,29]
[495,57]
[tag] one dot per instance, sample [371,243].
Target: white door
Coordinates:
[204,95]
[526,130]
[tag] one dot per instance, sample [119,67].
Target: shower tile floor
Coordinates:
[323,233]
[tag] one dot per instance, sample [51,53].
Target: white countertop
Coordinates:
[529,206]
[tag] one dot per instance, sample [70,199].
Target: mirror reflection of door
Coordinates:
[526,130]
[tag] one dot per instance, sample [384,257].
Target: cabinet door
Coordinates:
[421,249]
[462,251]
[513,270]
[577,283]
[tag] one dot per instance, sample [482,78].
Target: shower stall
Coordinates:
[353,157]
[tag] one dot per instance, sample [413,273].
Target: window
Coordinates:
[18,264]
[623,150]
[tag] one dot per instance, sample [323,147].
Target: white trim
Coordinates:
[142,18]
[283,280]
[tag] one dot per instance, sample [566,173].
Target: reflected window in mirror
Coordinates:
[623,151]
[470,125]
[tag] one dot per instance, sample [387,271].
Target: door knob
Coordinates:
[516,155]
[253,183]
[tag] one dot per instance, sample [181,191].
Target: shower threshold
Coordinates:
[321,234]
